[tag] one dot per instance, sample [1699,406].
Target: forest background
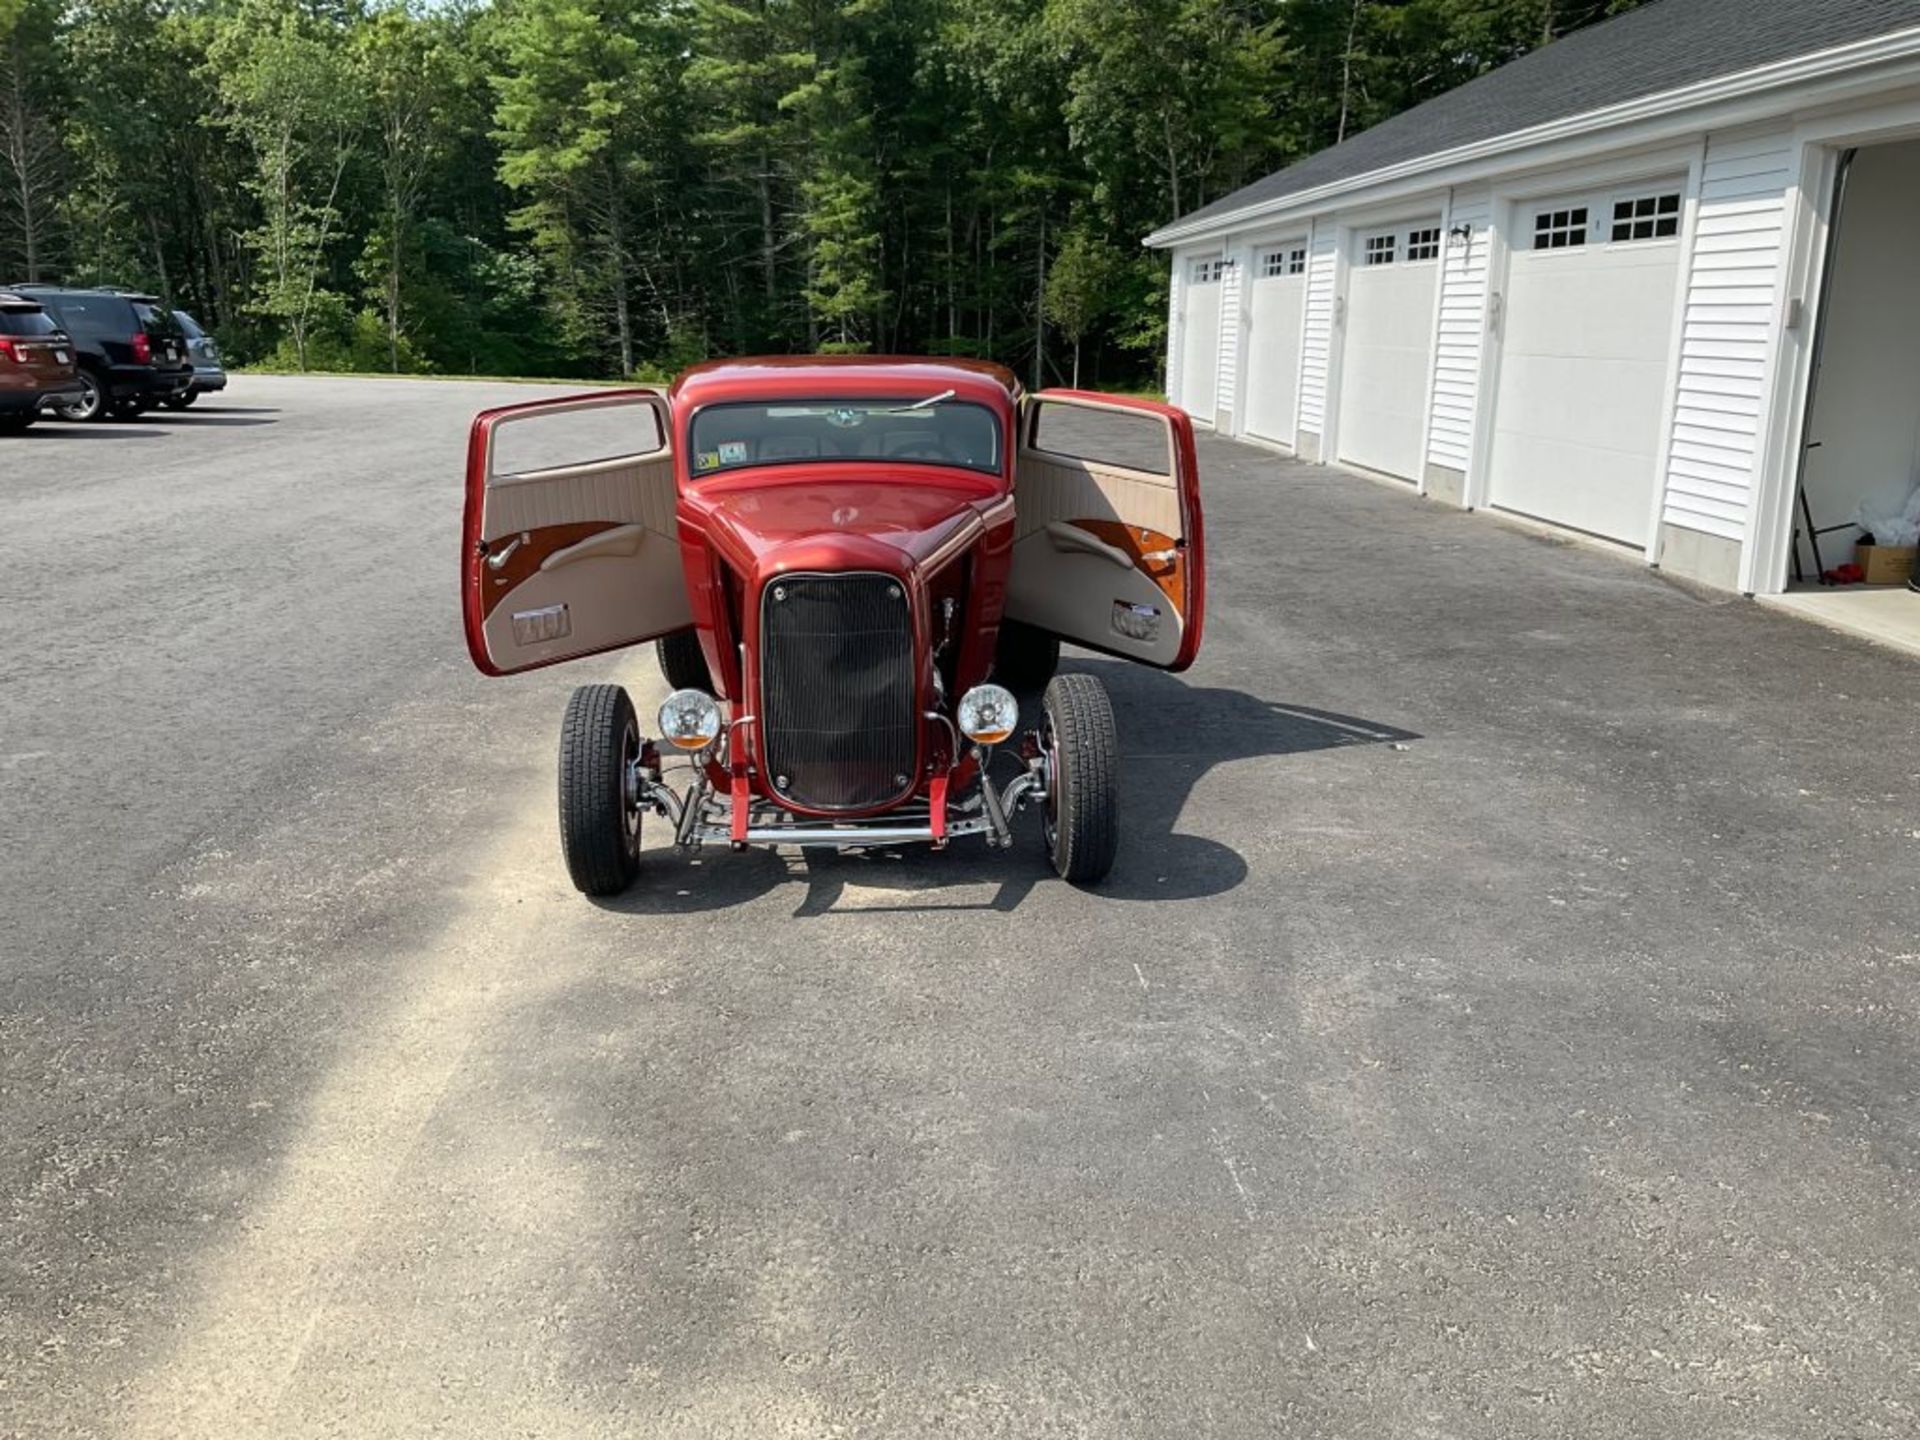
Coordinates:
[603,188]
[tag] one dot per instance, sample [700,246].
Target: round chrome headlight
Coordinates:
[988,714]
[690,720]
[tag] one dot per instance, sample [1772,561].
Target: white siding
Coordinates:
[1318,340]
[1463,310]
[1226,383]
[1176,285]
[1730,334]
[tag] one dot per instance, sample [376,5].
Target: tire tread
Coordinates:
[592,837]
[682,660]
[1087,832]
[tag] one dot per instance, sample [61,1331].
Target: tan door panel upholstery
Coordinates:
[1055,487]
[1070,538]
[598,589]
[1075,582]
[623,491]
[622,541]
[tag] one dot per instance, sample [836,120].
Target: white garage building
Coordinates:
[1593,287]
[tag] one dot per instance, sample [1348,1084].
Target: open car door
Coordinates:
[1107,536]
[570,544]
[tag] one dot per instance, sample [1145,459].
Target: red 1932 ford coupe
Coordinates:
[846,563]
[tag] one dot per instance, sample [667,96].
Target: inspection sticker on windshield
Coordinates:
[707,460]
[733,452]
[1136,622]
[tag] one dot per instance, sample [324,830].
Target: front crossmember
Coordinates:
[704,815]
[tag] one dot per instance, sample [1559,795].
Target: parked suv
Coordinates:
[36,362]
[208,374]
[130,351]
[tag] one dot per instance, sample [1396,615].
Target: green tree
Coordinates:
[1080,288]
[290,97]
[1178,87]
[587,120]
[155,195]
[33,161]
[748,59]
[839,209]
[406,73]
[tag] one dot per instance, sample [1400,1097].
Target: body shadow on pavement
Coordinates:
[1172,734]
[197,417]
[83,430]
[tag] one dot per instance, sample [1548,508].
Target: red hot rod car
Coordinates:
[846,563]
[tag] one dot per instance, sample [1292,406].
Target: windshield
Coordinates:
[932,431]
[188,324]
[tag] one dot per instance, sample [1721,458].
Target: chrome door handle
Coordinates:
[500,557]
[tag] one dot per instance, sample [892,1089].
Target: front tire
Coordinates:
[1025,658]
[599,811]
[180,402]
[682,661]
[1082,747]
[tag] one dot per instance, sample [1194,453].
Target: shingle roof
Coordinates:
[1667,45]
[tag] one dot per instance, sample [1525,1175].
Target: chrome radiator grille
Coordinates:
[837,689]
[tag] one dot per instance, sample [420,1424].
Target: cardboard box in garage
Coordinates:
[1885,564]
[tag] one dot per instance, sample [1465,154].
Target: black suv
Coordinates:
[131,352]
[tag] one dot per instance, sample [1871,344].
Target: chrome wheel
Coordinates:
[631,809]
[89,404]
[1050,773]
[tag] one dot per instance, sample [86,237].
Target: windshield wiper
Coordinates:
[931,400]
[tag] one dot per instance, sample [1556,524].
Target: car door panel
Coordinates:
[1108,554]
[568,560]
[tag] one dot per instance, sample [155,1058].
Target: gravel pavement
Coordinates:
[1501,1021]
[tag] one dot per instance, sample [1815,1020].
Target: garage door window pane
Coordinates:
[1560,229]
[1276,263]
[1647,217]
[1207,272]
[1423,245]
[1380,249]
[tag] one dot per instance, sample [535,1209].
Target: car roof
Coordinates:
[11,301]
[848,375]
[116,291]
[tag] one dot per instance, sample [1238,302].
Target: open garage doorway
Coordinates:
[1860,471]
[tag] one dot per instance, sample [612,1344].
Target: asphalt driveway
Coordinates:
[1500,1022]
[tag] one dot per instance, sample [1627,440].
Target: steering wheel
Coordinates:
[926,447]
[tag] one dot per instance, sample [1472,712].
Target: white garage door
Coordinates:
[1200,339]
[1273,340]
[1587,332]
[1391,290]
